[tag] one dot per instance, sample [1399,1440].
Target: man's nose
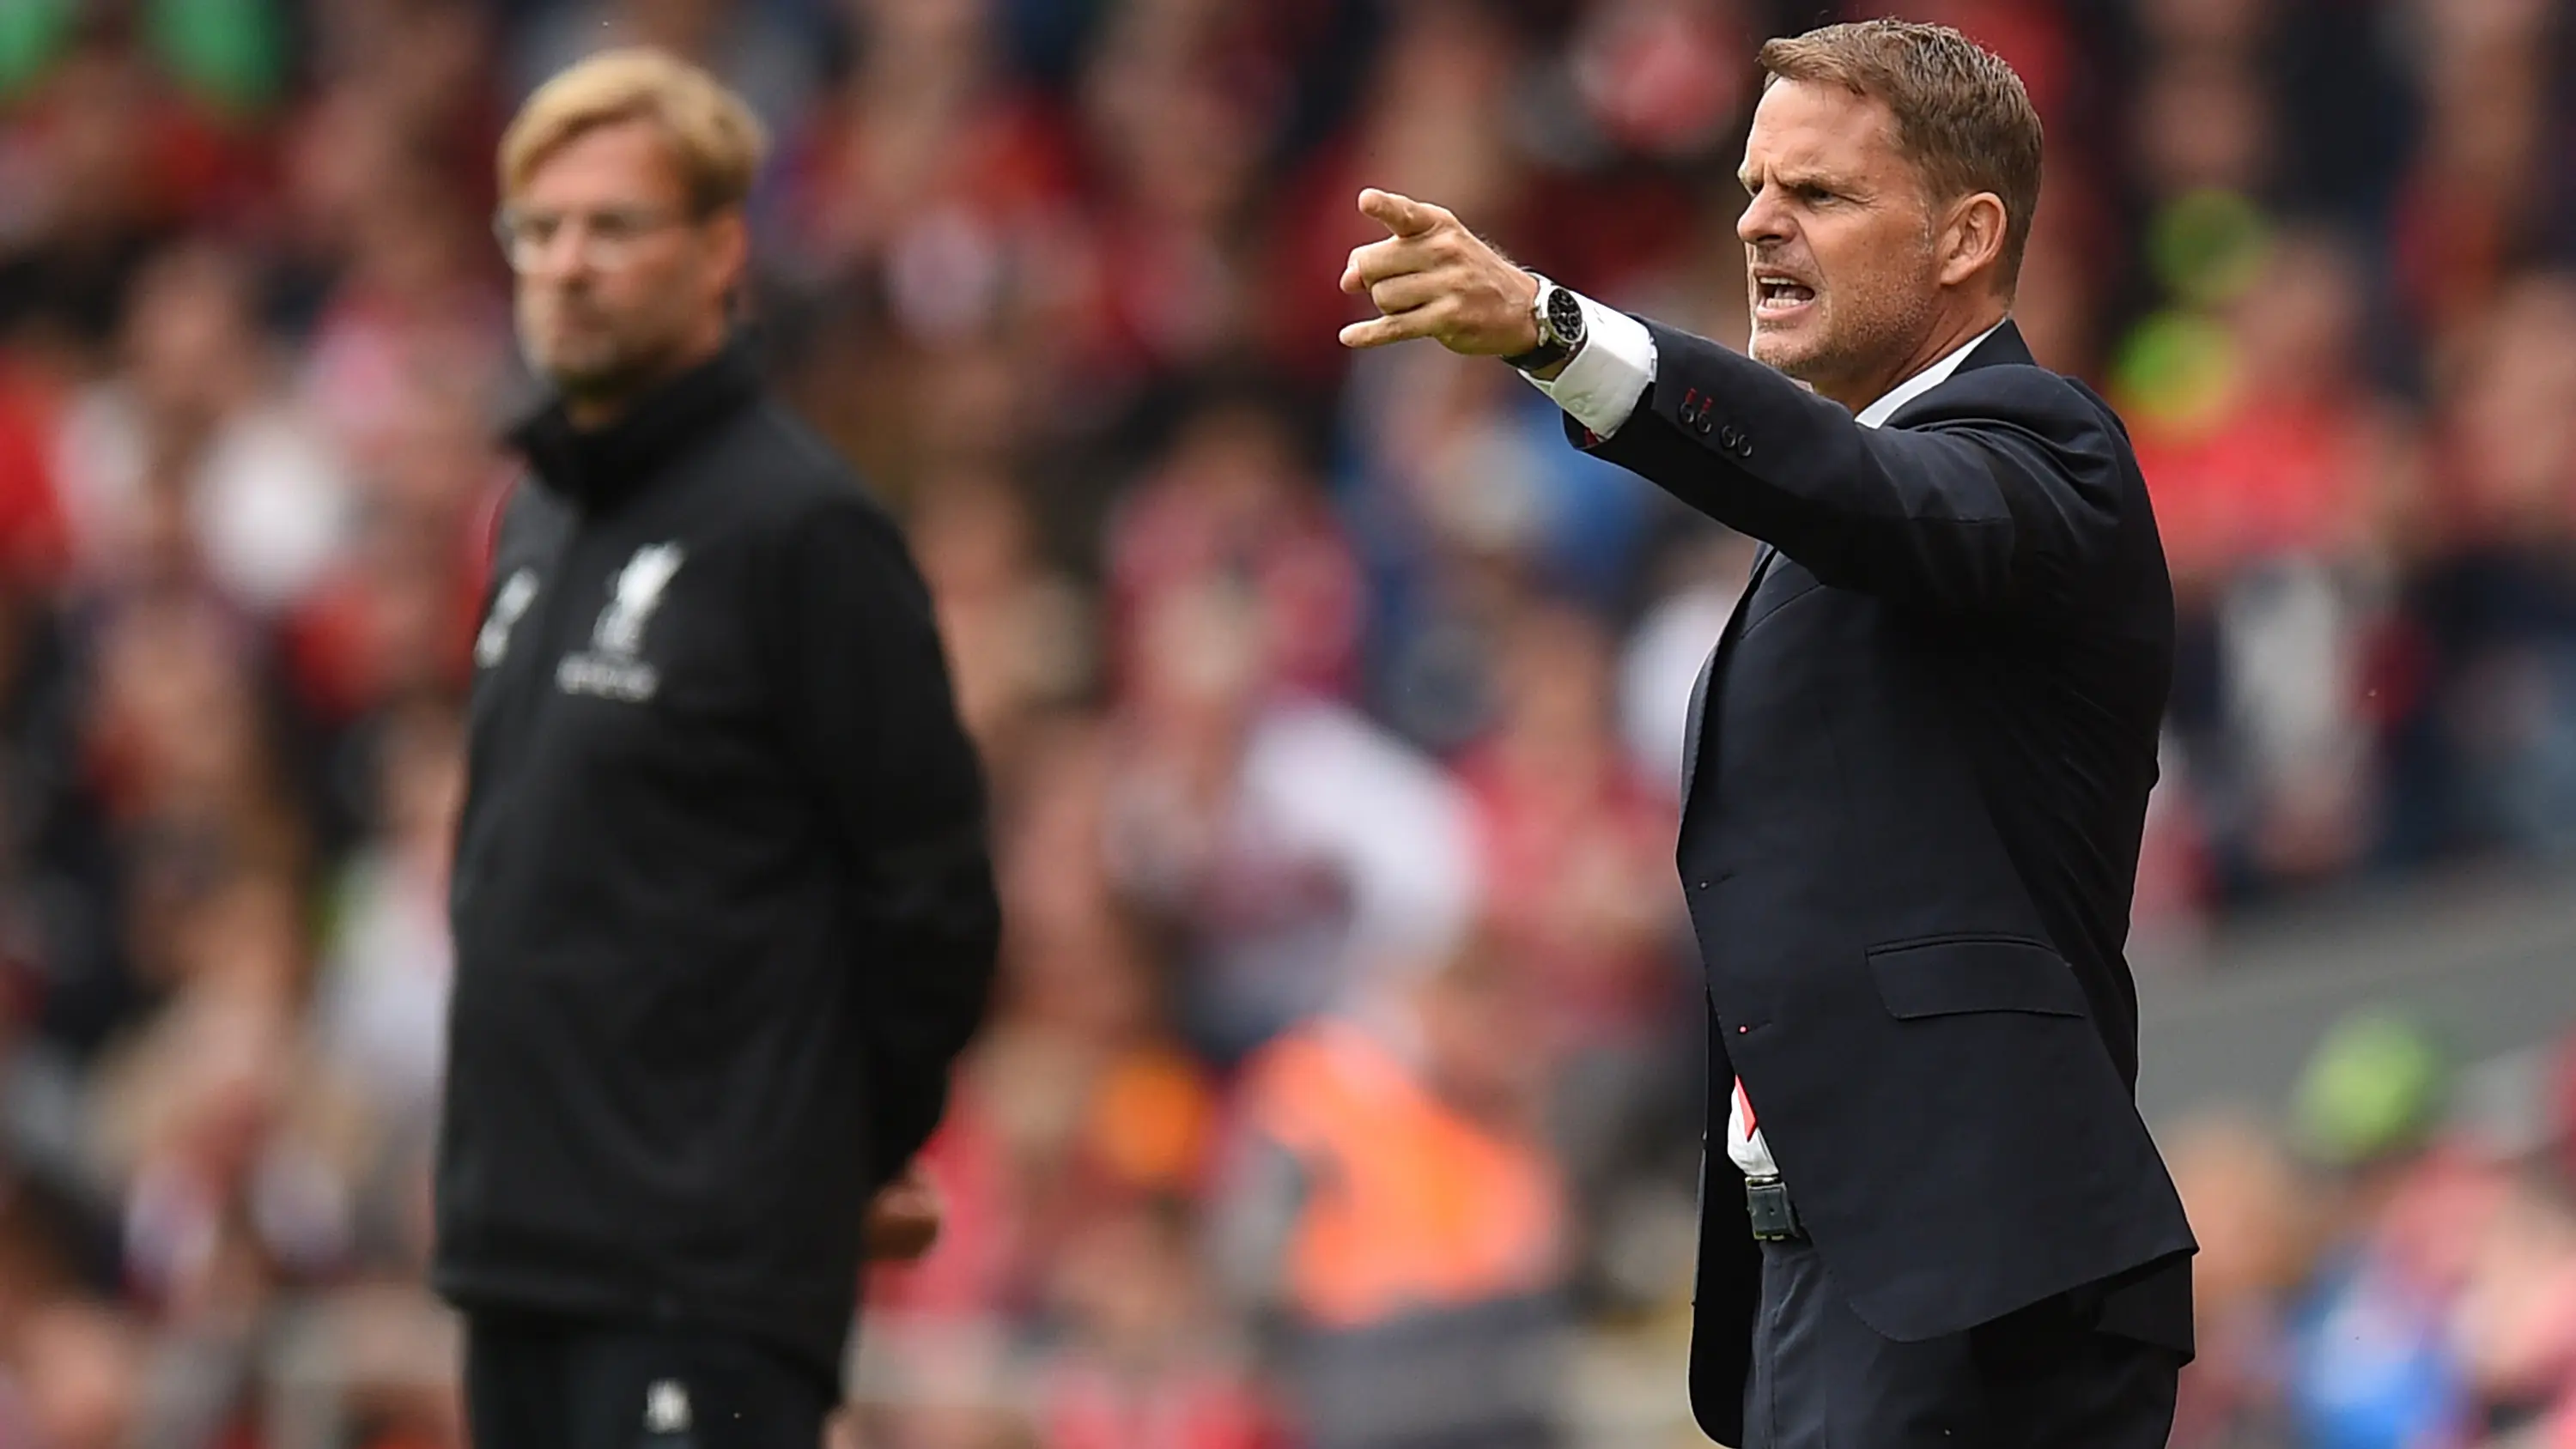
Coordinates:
[563,256]
[1764,220]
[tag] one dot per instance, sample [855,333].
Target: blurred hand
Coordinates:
[903,1222]
[1433,278]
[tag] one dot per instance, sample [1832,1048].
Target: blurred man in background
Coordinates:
[1910,831]
[722,902]
[1395,1217]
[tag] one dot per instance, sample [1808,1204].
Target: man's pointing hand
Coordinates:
[1431,277]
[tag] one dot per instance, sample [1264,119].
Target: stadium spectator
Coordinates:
[1394,1215]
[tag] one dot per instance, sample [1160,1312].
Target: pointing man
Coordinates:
[1921,753]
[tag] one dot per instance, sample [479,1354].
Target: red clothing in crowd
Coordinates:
[1554,853]
[33,545]
[1004,166]
[2273,477]
[1287,551]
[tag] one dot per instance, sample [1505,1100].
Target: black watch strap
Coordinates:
[1546,354]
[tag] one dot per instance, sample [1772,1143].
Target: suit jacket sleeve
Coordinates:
[867,709]
[2001,494]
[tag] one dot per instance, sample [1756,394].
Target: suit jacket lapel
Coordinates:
[2004,347]
[1698,717]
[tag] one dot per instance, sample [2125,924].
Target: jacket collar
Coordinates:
[1878,414]
[2000,346]
[2003,345]
[596,468]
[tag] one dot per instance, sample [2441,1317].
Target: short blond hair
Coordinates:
[1962,116]
[715,140]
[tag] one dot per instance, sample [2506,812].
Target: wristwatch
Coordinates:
[1559,315]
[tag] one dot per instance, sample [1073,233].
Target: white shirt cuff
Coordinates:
[1599,388]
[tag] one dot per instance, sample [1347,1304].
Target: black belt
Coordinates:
[1775,1218]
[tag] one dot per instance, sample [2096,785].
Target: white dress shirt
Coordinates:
[1599,388]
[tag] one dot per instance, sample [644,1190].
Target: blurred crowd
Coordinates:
[2390,1264]
[1343,1079]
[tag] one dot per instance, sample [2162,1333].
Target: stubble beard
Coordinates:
[1860,334]
[607,364]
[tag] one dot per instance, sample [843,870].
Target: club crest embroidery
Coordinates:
[610,668]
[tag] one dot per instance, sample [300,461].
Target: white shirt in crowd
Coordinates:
[1599,388]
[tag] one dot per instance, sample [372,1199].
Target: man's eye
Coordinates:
[616,226]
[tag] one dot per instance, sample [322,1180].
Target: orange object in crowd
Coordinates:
[1410,1204]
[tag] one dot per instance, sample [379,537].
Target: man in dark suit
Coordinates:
[1921,753]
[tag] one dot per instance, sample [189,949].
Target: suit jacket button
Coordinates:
[1729,438]
[1744,448]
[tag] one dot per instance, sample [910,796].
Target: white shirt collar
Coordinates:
[1877,413]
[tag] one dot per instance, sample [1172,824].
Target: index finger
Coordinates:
[1399,214]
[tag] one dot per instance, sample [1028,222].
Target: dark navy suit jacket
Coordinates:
[1921,752]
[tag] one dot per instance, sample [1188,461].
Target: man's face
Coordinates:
[620,282]
[1838,240]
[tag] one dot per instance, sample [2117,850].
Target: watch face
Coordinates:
[1565,316]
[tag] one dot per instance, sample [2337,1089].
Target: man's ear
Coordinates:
[1973,240]
[730,232]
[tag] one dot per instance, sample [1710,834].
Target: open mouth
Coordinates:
[1779,297]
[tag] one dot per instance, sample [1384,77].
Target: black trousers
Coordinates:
[2043,1378]
[536,1382]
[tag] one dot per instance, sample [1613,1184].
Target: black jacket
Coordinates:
[723,909]
[1921,756]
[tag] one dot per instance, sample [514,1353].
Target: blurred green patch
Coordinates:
[2176,370]
[32,33]
[2377,1086]
[2207,247]
[231,53]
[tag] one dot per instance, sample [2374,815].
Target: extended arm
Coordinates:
[2004,492]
